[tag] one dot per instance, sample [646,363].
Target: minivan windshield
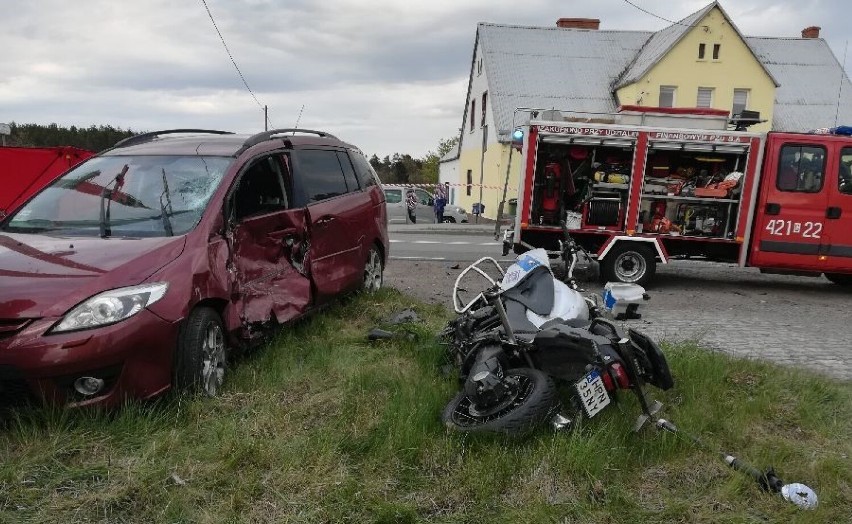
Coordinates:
[128,196]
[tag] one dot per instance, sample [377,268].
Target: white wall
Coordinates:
[449,172]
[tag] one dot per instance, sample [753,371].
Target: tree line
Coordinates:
[405,169]
[392,169]
[94,138]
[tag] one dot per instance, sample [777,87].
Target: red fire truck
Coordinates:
[25,170]
[637,195]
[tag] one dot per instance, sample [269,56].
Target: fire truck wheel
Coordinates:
[839,279]
[629,262]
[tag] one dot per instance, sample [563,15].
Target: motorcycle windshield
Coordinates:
[523,266]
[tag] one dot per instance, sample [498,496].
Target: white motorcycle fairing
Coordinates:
[568,304]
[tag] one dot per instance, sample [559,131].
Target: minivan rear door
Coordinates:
[336,219]
[397,212]
[425,212]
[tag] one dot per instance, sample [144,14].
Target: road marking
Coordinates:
[417,258]
[456,243]
[444,259]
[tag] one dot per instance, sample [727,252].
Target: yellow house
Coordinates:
[519,72]
[703,61]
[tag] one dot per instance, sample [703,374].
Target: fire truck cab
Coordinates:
[642,188]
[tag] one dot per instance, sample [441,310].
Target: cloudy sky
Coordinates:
[387,75]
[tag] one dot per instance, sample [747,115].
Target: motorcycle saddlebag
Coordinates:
[564,351]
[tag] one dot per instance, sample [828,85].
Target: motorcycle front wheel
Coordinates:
[532,405]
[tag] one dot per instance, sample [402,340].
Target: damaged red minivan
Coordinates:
[138,270]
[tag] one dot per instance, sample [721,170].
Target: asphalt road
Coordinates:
[790,320]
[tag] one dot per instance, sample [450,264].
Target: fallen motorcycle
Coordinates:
[526,332]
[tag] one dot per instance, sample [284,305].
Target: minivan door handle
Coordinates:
[772,209]
[833,212]
[323,221]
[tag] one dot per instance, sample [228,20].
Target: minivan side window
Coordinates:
[423,197]
[393,196]
[366,175]
[319,173]
[348,171]
[261,189]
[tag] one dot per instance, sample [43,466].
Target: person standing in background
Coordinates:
[440,201]
[411,205]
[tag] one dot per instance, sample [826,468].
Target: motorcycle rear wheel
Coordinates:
[534,403]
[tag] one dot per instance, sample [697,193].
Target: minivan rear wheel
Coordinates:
[373,271]
[201,356]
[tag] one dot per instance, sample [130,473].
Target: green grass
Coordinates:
[322,426]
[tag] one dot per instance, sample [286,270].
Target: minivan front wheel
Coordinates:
[201,353]
[373,271]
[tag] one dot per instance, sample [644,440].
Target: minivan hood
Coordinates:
[44,275]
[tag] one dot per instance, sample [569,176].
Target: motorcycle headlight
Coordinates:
[111,306]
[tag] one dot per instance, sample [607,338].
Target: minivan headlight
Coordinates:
[111,306]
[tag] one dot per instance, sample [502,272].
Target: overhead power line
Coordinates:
[243,78]
[656,15]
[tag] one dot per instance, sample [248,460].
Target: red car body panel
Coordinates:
[25,170]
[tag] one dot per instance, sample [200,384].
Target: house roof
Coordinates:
[576,69]
[552,68]
[452,154]
[661,42]
[814,92]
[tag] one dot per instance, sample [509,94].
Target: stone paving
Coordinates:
[798,321]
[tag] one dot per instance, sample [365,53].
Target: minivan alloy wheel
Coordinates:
[373,271]
[202,353]
[213,359]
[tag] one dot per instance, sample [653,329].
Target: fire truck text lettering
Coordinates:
[780,227]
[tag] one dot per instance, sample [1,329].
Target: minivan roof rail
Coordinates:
[266,135]
[147,137]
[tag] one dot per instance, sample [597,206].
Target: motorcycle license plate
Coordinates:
[592,393]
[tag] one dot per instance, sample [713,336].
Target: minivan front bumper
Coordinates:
[133,358]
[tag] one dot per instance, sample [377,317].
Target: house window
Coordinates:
[701,51]
[469,181]
[740,101]
[484,103]
[479,67]
[667,96]
[472,114]
[705,97]
[716,48]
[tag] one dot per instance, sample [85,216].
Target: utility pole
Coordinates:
[266,118]
[533,112]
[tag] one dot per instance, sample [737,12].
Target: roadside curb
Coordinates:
[444,229]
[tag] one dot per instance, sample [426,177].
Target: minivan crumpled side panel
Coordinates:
[267,267]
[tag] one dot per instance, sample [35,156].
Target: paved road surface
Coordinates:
[790,320]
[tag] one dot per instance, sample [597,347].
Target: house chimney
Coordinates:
[811,32]
[580,23]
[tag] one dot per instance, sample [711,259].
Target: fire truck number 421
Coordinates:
[782,227]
